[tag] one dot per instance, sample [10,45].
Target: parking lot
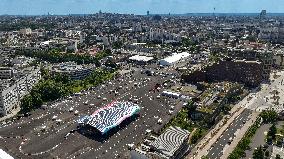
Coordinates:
[52,133]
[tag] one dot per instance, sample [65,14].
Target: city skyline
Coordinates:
[140,7]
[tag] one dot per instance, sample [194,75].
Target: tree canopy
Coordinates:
[269,116]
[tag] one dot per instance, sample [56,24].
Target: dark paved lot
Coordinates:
[26,137]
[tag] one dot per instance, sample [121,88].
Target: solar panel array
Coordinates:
[170,141]
[110,116]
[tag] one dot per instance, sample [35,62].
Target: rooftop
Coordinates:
[4,155]
[110,116]
[170,141]
[176,57]
[141,58]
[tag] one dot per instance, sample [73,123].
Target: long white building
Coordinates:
[173,59]
[5,155]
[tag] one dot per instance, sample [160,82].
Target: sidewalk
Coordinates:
[191,134]
[202,148]
[230,148]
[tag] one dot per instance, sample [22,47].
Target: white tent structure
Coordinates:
[4,155]
[173,59]
[139,58]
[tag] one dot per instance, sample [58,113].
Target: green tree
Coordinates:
[54,87]
[239,151]
[204,157]
[267,154]
[258,153]
[191,106]
[117,45]
[110,63]
[196,136]
[278,156]
[269,116]
[272,132]
[26,104]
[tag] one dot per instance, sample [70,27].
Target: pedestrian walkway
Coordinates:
[229,149]
[202,148]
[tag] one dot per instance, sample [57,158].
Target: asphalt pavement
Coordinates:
[52,133]
[216,150]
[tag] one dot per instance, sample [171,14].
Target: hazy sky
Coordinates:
[31,7]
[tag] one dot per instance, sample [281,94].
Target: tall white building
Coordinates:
[10,96]
[26,31]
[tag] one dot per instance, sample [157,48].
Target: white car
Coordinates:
[54,117]
[160,121]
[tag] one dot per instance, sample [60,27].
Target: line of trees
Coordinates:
[53,87]
[271,135]
[261,153]
[55,56]
[8,26]
[243,145]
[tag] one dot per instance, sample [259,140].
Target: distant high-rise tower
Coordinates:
[148,13]
[262,14]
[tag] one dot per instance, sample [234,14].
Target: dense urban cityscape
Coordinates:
[153,86]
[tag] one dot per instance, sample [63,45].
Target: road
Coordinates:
[216,150]
[261,100]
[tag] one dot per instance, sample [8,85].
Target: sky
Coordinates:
[41,7]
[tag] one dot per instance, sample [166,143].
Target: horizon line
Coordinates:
[67,14]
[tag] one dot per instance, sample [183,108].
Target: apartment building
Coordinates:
[263,56]
[246,72]
[72,70]
[6,72]
[12,93]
